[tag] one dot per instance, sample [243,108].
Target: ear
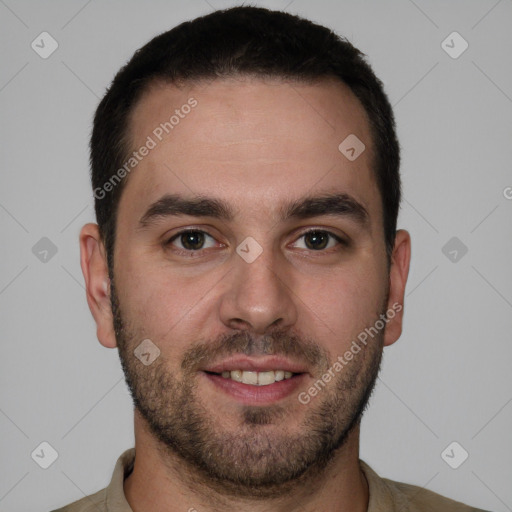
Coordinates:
[398,273]
[93,261]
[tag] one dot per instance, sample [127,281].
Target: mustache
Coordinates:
[244,342]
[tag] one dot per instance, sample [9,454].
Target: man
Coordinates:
[246,264]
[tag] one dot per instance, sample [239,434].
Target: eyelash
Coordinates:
[189,253]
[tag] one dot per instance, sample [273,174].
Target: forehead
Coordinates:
[249,139]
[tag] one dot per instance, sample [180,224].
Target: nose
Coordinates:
[258,295]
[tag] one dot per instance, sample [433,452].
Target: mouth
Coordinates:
[257,381]
[252,378]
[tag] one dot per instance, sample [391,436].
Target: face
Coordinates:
[251,294]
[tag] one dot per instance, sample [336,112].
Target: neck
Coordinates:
[160,480]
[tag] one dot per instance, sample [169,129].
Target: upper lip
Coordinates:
[259,364]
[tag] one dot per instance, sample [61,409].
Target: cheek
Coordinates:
[343,305]
[164,306]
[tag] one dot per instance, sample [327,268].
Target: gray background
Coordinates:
[447,379]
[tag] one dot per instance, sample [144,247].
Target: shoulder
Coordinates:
[388,495]
[93,503]
[413,498]
[111,497]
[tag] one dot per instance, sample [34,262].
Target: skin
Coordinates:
[257,145]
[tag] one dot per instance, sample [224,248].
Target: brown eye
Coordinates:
[318,240]
[190,240]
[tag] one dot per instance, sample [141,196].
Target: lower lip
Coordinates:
[250,395]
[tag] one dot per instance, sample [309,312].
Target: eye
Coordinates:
[319,240]
[191,240]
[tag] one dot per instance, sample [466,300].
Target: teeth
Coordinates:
[236,375]
[250,378]
[257,378]
[266,378]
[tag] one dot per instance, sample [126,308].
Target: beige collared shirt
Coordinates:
[385,495]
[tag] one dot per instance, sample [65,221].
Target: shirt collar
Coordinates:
[115,498]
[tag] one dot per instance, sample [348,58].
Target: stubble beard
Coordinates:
[254,460]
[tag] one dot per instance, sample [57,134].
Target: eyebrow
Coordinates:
[330,204]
